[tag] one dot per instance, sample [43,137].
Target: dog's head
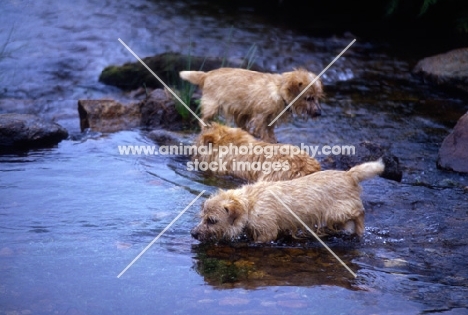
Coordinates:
[223,216]
[293,83]
[218,134]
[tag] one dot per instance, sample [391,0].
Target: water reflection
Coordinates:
[248,266]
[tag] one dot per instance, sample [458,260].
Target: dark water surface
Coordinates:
[72,217]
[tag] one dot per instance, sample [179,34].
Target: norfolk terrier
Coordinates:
[327,200]
[237,153]
[254,99]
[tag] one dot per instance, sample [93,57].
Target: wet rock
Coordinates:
[364,152]
[449,69]
[170,138]
[163,137]
[167,66]
[108,115]
[26,130]
[453,154]
[159,110]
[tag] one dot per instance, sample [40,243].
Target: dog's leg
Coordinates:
[350,227]
[241,121]
[260,129]
[209,109]
[270,131]
[266,133]
[359,225]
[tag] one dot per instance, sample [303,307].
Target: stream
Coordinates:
[73,216]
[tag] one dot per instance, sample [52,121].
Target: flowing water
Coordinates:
[75,215]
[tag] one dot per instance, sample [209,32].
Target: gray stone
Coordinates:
[453,154]
[26,130]
[449,69]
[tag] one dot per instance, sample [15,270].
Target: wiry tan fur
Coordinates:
[217,135]
[253,99]
[327,199]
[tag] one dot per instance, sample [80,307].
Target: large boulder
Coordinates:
[167,66]
[26,130]
[449,69]
[453,154]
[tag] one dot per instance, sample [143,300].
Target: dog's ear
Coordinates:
[207,139]
[294,85]
[233,211]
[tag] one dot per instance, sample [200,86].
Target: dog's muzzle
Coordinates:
[314,109]
[195,234]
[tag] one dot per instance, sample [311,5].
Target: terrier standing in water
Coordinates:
[253,99]
[327,199]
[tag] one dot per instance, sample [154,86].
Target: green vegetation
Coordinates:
[185,89]
[452,13]
[393,5]
[250,57]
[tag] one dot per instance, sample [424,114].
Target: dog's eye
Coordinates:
[211,221]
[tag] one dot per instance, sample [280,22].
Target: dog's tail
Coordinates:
[367,170]
[194,77]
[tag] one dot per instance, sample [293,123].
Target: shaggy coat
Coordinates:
[285,161]
[327,199]
[253,99]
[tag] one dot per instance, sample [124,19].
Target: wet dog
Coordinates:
[253,99]
[327,200]
[261,161]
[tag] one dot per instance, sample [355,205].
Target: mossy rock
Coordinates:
[167,66]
